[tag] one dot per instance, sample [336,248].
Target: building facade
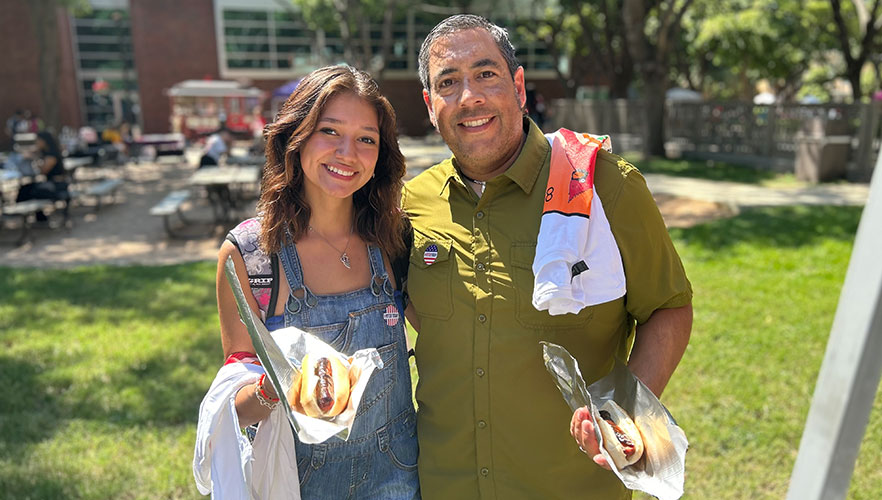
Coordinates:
[118,59]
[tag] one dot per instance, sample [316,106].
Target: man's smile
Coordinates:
[476,124]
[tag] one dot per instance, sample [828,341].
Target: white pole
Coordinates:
[850,372]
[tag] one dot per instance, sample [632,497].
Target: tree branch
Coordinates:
[842,31]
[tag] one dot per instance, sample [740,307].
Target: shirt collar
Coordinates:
[525,169]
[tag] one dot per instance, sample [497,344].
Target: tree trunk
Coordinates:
[621,82]
[655,89]
[343,9]
[386,45]
[364,30]
[45,24]
[854,77]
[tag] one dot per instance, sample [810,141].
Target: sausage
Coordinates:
[621,438]
[627,444]
[324,389]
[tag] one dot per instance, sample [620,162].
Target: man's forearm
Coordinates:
[659,345]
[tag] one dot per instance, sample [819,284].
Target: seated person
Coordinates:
[50,163]
[217,145]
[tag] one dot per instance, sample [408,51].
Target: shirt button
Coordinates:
[485,471]
[482,318]
[479,215]
[482,424]
[480,266]
[480,372]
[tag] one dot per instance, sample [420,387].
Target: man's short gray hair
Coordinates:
[462,22]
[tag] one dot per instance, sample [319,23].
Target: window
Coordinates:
[265,40]
[103,52]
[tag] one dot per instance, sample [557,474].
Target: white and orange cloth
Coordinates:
[577,263]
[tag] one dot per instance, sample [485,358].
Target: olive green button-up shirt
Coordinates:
[491,422]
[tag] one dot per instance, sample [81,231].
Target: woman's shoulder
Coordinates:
[245,233]
[246,238]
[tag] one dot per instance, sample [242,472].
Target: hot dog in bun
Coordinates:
[324,389]
[621,439]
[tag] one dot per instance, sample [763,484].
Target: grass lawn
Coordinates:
[103,368]
[101,377]
[715,171]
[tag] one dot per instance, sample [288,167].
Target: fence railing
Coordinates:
[765,136]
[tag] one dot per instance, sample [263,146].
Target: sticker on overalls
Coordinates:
[391,315]
[430,254]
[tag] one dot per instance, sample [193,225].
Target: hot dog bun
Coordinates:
[621,439]
[324,389]
[294,393]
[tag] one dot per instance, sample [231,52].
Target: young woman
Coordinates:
[328,214]
[50,163]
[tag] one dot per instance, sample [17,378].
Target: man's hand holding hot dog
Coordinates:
[658,347]
[582,429]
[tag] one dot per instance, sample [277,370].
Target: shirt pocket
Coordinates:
[522,255]
[428,280]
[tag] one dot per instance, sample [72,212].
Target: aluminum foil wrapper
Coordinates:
[661,470]
[281,352]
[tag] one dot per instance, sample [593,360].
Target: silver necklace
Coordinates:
[344,258]
[482,184]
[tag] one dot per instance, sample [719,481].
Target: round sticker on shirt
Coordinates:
[391,315]
[430,254]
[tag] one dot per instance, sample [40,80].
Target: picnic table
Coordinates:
[162,144]
[223,185]
[13,176]
[73,163]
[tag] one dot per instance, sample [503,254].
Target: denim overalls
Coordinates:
[379,461]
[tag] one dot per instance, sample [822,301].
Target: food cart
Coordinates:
[199,107]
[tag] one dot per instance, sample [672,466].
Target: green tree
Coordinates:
[857,27]
[352,20]
[44,22]
[735,44]
[588,36]
[653,29]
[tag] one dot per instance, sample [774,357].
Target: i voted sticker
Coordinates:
[391,315]
[430,254]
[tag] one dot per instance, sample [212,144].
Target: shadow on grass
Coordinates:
[30,414]
[158,389]
[46,389]
[166,389]
[35,485]
[775,227]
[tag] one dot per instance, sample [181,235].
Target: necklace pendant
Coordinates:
[345,260]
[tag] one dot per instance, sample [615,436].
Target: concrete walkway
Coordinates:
[749,195]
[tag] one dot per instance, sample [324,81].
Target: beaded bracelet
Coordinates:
[262,397]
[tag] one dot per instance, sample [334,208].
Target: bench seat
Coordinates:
[23,210]
[169,206]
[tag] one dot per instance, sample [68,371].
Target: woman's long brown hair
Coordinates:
[282,205]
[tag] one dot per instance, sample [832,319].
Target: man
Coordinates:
[216,146]
[491,422]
